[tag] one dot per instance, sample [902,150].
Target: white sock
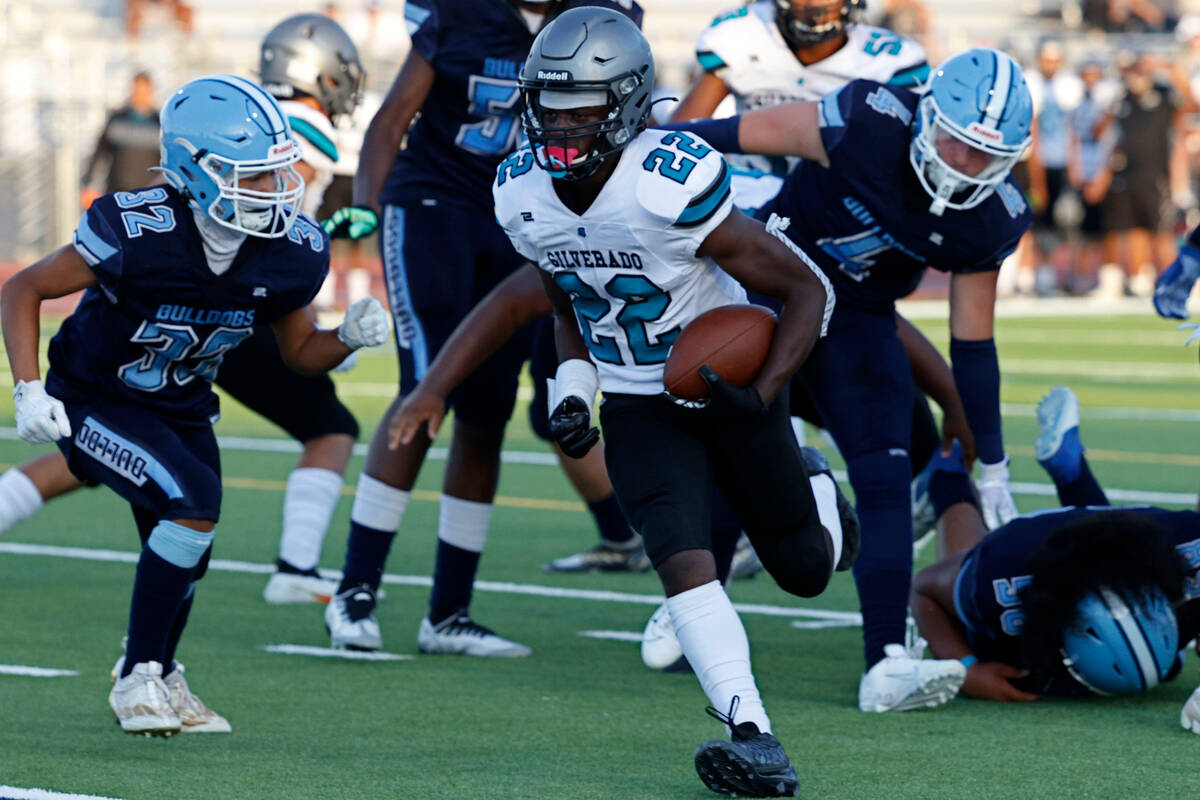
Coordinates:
[464,523]
[312,494]
[825,492]
[19,498]
[714,641]
[378,505]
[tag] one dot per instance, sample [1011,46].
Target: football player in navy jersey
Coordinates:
[894,183]
[442,252]
[1008,603]
[175,276]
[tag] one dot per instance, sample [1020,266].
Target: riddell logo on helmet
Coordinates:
[552,75]
[986,133]
[281,149]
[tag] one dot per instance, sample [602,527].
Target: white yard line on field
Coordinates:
[36,672]
[14,793]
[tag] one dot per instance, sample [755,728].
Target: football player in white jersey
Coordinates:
[635,234]
[780,51]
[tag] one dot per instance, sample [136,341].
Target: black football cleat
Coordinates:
[753,764]
[816,464]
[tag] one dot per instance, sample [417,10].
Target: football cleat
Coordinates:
[458,634]
[194,716]
[1189,717]
[900,682]
[1058,448]
[816,464]
[289,588]
[745,563]
[603,558]
[752,764]
[141,702]
[350,620]
[660,648]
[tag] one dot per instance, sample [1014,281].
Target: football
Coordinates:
[733,340]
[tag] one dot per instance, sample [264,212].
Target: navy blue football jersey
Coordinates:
[987,590]
[155,327]
[865,218]
[470,120]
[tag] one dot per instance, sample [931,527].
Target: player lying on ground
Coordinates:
[892,184]
[1063,602]
[175,276]
[595,181]
[311,61]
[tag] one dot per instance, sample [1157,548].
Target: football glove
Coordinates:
[571,427]
[351,222]
[994,495]
[365,325]
[40,417]
[1175,284]
[727,400]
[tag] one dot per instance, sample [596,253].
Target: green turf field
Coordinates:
[582,718]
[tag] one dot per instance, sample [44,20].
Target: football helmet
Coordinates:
[1121,644]
[804,23]
[310,54]
[586,57]
[221,129]
[972,126]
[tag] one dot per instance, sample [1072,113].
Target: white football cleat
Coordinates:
[458,634]
[350,620]
[660,648]
[194,716]
[1189,718]
[141,703]
[290,588]
[901,683]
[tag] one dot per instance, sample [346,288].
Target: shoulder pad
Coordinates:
[505,192]
[683,181]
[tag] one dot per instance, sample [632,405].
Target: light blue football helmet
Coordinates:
[1121,645]
[220,129]
[978,98]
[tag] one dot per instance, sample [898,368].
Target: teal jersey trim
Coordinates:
[707,202]
[709,61]
[309,131]
[913,76]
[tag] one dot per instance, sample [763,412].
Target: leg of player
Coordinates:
[312,494]
[960,524]
[25,489]
[1059,450]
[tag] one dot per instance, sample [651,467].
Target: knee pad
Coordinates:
[881,479]
[801,568]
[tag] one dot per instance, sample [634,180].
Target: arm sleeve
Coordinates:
[100,246]
[421,16]
[977,375]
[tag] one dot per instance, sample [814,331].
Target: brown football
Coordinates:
[733,340]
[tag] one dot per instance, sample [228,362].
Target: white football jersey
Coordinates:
[315,133]
[629,261]
[745,49]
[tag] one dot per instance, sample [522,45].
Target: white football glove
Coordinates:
[365,325]
[994,494]
[40,417]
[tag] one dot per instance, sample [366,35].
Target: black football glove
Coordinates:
[571,427]
[351,222]
[726,400]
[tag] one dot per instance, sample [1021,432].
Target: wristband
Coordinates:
[577,377]
[969,661]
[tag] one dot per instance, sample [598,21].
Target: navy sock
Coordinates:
[159,589]
[610,521]
[1084,490]
[181,618]
[453,578]
[366,553]
[948,488]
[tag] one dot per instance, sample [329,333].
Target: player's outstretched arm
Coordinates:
[763,263]
[516,301]
[702,99]
[934,376]
[312,351]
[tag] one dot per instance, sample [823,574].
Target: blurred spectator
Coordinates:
[1092,139]
[128,146]
[1130,16]
[1137,209]
[179,11]
[1056,93]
